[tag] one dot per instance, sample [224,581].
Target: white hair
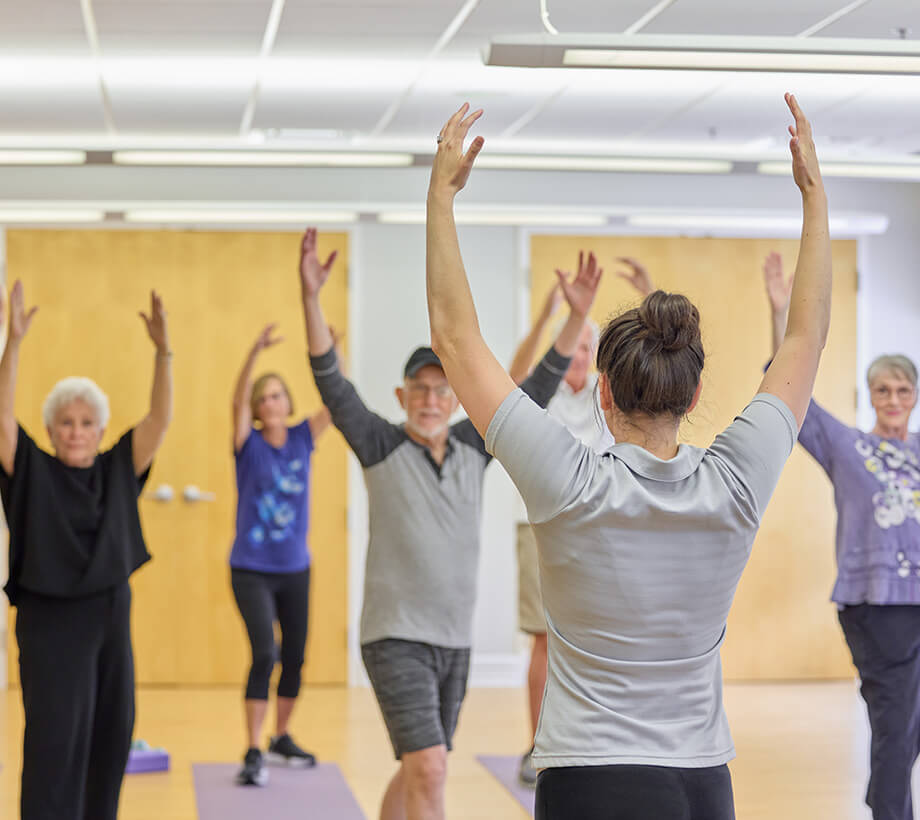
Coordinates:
[71,389]
[899,365]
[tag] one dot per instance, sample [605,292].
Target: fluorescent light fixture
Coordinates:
[870,170]
[352,159]
[509,218]
[621,164]
[756,223]
[708,53]
[228,215]
[30,215]
[16,157]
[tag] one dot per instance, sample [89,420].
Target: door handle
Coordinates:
[163,493]
[193,495]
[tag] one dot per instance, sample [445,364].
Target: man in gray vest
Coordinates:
[424,486]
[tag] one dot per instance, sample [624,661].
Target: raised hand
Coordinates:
[805,169]
[155,322]
[581,290]
[637,276]
[19,318]
[779,289]
[313,273]
[266,338]
[451,167]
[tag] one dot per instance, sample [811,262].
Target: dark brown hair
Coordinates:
[259,387]
[652,356]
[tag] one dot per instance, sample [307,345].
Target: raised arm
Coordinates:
[148,434]
[637,275]
[791,376]
[313,275]
[319,422]
[779,289]
[18,321]
[476,376]
[527,350]
[242,409]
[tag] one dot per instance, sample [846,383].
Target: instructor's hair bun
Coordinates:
[671,320]
[653,356]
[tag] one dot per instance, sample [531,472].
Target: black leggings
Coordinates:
[634,793]
[77,674]
[264,598]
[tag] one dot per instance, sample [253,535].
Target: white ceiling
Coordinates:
[188,68]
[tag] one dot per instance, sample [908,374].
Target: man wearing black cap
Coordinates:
[424,488]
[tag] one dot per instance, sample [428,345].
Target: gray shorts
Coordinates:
[419,689]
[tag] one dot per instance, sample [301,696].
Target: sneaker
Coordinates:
[527,772]
[283,749]
[253,772]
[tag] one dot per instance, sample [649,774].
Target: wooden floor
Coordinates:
[802,749]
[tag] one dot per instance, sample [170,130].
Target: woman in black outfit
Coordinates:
[75,538]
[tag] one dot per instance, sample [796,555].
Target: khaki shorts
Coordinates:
[530,600]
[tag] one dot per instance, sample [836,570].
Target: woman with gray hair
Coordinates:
[876,479]
[75,538]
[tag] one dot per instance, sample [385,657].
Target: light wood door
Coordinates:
[782,624]
[219,290]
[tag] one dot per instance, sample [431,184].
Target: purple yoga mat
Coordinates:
[142,761]
[291,794]
[505,771]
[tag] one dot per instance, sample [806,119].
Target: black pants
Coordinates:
[885,643]
[624,792]
[264,598]
[77,672]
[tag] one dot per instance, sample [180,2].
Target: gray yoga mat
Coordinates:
[320,793]
[505,771]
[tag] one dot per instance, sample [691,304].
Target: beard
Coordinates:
[428,433]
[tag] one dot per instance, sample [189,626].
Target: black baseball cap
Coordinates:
[421,357]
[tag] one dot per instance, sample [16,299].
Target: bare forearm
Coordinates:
[244,380]
[778,325]
[810,302]
[568,339]
[527,351]
[319,338]
[9,366]
[161,393]
[450,302]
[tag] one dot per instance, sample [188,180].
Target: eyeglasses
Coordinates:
[421,391]
[903,393]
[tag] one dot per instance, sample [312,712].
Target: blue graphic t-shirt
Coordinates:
[877,490]
[273,509]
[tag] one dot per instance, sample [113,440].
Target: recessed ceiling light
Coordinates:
[230,216]
[352,159]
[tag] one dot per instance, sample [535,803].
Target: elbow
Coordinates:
[447,347]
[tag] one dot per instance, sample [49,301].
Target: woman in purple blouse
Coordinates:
[876,479]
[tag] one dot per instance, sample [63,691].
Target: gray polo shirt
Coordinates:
[424,518]
[639,561]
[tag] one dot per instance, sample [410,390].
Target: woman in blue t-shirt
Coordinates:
[270,561]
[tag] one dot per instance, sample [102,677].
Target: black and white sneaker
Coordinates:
[253,772]
[283,749]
